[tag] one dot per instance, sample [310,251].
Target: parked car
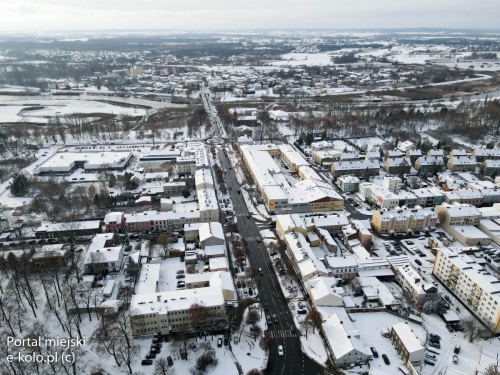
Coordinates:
[418,262]
[434,344]
[180,276]
[226,341]
[292,306]
[170,361]
[449,328]
[374,351]
[429,362]
[386,360]
[293,329]
[158,339]
[455,358]
[434,336]
[280,350]
[431,356]
[261,273]
[457,349]
[302,311]
[219,342]
[147,362]
[157,345]
[155,350]
[300,304]
[150,355]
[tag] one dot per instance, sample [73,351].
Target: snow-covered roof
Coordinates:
[343,338]
[47,251]
[75,225]
[217,263]
[322,287]
[148,278]
[209,230]
[407,337]
[113,217]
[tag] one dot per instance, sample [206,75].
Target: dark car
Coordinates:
[457,349]
[266,306]
[150,355]
[374,351]
[181,276]
[170,361]
[147,362]
[302,311]
[226,341]
[269,320]
[434,344]
[158,339]
[273,253]
[429,362]
[418,262]
[449,328]
[219,342]
[275,318]
[386,360]
[434,336]
[293,329]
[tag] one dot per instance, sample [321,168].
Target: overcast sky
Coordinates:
[53,15]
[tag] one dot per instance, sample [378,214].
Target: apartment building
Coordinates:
[397,165]
[392,184]
[462,163]
[490,166]
[482,154]
[432,164]
[357,168]
[348,184]
[418,286]
[404,220]
[471,283]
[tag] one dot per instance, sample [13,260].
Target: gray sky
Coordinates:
[51,15]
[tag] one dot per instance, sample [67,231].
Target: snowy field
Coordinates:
[14,111]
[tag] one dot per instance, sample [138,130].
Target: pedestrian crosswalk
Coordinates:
[280,334]
[329,371]
[252,238]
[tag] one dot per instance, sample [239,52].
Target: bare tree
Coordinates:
[255,331]
[164,241]
[492,370]
[306,325]
[266,343]
[253,315]
[162,367]
[474,329]
[315,317]
[254,371]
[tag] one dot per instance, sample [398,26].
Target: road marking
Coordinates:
[280,334]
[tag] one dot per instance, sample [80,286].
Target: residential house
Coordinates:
[348,184]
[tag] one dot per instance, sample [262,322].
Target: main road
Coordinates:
[293,362]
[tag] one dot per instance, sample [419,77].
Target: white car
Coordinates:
[280,350]
[455,358]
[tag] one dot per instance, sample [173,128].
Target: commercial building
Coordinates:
[68,162]
[471,283]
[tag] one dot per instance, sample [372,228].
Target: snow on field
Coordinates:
[313,347]
[295,59]
[12,110]
[372,143]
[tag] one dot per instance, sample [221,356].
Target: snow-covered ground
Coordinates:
[12,111]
